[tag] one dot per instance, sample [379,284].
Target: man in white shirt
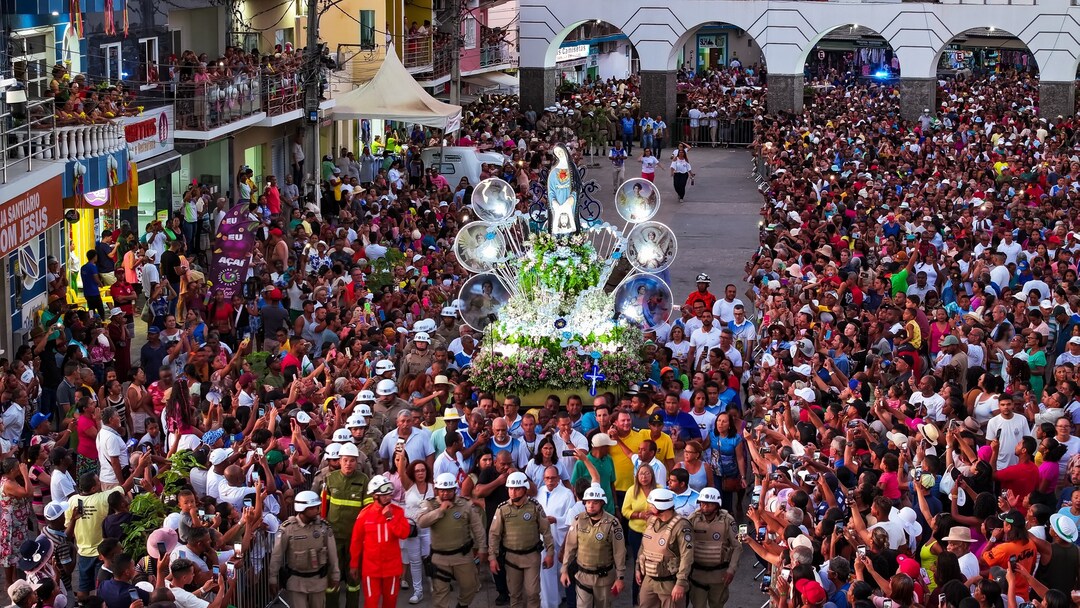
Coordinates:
[1009,247]
[929,398]
[1008,429]
[556,500]
[567,439]
[724,308]
[234,489]
[703,339]
[112,450]
[450,460]
[182,574]
[959,543]
[61,484]
[417,441]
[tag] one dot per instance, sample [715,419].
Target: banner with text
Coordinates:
[231,257]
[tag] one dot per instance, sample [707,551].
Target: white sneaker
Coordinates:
[417,596]
[404,584]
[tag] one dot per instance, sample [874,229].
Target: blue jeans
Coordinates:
[628,142]
[647,141]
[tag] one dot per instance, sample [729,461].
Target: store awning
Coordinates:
[162,165]
[500,80]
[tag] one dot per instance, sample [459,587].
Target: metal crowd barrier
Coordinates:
[726,132]
[253,574]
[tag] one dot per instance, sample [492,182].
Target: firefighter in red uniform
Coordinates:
[375,550]
[702,293]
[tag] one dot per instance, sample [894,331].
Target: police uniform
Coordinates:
[665,559]
[516,537]
[716,548]
[415,363]
[455,534]
[386,415]
[343,498]
[305,558]
[599,552]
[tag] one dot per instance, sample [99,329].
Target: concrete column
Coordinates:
[916,95]
[658,92]
[785,93]
[1057,99]
[538,88]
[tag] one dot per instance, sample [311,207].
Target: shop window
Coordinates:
[114,65]
[148,62]
[367,30]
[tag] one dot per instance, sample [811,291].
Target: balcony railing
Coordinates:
[496,54]
[203,106]
[26,134]
[418,52]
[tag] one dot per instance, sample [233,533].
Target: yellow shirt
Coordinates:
[633,503]
[88,533]
[624,469]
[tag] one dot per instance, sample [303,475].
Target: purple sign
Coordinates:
[233,244]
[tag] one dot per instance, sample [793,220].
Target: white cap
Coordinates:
[349,449]
[600,440]
[386,387]
[306,500]
[445,481]
[517,479]
[595,492]
[806,394]
[709,495]
[302,417]
[662,499]
[219,456]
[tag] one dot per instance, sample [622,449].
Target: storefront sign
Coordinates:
[150,133]
[26,216]
[233,244]
[569,53]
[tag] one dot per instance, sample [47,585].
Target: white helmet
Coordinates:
[386,387]
[364,409]
[445,481]
[449,311]
[662,499]
[356,421]
[422,336]
[342,436]
[595,493]
[517,479]
[383,366]
[709,495]
[305,500]
[349,449]
[379,485]
[703,278]
[425,325]
[333,452]
[367,396]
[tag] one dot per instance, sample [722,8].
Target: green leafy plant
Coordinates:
[258,361]
[381,273]
[175,478]
[147,513]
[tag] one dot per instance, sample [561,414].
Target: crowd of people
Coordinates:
[886,417]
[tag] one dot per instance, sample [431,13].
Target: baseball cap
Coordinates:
[55,510]
[38,418]
[600,440]
[656,418]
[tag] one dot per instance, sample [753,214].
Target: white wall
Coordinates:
[201,30]
[788,31]
[505,15]
[614,65]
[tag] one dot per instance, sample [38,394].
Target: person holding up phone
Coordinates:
[119,591]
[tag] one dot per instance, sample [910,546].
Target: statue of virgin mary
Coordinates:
[563,187]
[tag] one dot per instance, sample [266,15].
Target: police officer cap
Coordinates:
[595,493]
[366,396]
[379,485]
[426,325]
[709,495]
[449,311]
[662,499]
[384,366]
[306,500]
[349,449]
[386,387]
[356,421]
[363,410]
[422,336]
[517,479]
[333,452]
[342,436]
[445,481]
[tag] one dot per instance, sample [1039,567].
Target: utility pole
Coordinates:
[313,74]
[456,40]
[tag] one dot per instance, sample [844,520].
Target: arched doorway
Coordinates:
[848,54]
[591,51]
[983,51]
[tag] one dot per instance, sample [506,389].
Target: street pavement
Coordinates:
[717,230]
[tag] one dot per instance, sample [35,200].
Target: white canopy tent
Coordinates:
[393,94]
